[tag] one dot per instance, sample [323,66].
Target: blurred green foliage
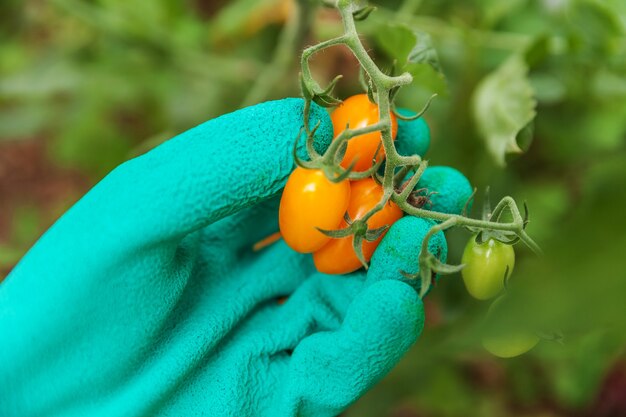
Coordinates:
[97,82]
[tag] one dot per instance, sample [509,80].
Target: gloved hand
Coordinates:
[146,299]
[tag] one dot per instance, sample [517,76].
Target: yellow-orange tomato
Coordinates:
[310,200]
[356,112]
[338,256]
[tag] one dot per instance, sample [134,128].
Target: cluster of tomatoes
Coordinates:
[310,201]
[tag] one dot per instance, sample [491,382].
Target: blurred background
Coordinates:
[85,85]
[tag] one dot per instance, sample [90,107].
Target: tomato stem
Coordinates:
[383,88]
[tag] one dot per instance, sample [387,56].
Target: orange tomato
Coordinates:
[310,200]
[356,112]
[338,256]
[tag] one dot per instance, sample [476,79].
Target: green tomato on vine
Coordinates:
[510,345]
[487,266]
[508,339]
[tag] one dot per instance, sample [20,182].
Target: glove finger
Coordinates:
[413,135]
[446,189]
[331,369]
[170,327]
[276,271]
[317,304]
[400,248]
[228,163]
[323,300]
[195,179]
[198,177]
[259,348]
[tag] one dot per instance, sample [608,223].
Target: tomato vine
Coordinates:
[382,89]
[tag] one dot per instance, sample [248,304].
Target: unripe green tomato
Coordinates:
[507,337]
[510,345]
[485,267]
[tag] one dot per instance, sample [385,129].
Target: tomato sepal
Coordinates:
[371,172]
[429,267]
[337,234]
[322,97]
[468,203]
[309,144]
[357,244]
[416,116]
[363,13]
[373,234]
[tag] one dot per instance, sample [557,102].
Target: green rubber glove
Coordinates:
[145,298]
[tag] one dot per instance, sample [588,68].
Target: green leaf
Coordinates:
[424,52]
[503,104]
[537,51]
[525,136]
[408,47]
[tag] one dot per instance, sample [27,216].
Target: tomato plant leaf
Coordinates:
[396,41]
[503,105]
[424,52]
[410,48]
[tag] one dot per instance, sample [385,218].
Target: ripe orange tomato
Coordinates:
[310,200]
[337,256]
[358,111]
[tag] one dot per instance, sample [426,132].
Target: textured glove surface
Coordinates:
[146,299]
